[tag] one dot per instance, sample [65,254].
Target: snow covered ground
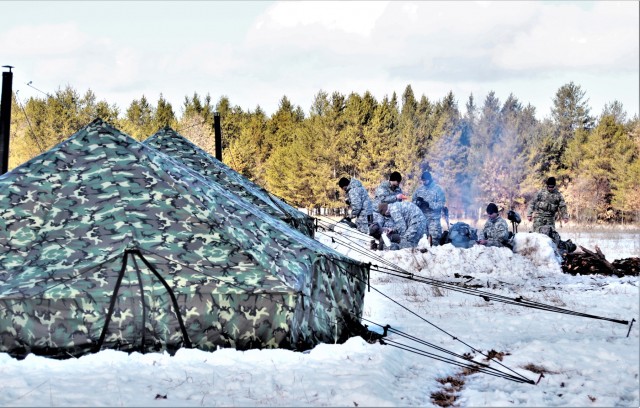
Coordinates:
[584,362]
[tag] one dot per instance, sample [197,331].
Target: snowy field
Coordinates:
[574,361]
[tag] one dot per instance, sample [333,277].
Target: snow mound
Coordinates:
[533,257]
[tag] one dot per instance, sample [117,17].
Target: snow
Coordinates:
[585,362]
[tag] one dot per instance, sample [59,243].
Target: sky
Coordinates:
[585,362]
[256,52]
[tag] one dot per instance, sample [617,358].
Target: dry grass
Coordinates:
[438,292]
[553,298]
[497,355]
[538,369]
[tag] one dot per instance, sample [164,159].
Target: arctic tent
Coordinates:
[169,142]
[108,243]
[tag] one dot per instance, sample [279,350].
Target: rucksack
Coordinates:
[564,247]
[461,235]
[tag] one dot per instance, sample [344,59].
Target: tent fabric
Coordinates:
[171,143]
[108,243]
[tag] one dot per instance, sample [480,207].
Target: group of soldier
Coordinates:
[403,222]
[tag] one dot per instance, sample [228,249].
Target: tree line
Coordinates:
[487,151]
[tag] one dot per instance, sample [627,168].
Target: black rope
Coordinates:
[330,321]
[183,329]
[31,132]
[487,296]
[473,365]
[112,303]
[431,324]
[417,340]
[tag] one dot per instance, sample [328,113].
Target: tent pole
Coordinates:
[5,119]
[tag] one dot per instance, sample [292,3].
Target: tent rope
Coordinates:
[487,296]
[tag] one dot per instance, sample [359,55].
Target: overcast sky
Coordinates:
[256,52]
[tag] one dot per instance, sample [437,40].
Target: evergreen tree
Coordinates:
[407,160]
[376,159]
[138,121]
[570,112]
[599,160]
[358,114]
[242,153]
[231,119]
[164,115]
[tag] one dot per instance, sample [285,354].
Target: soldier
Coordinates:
[429,197]
[546,204]
[389,191]
[495,231]
[359,201]
[379,225]
[409,222]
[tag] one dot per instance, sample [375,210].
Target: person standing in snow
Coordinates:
[429,197]
[496,231]
[389,191]
[546,204]
[359,202]
[409,222]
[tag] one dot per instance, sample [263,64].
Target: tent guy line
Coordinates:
[486,369]
[487,296]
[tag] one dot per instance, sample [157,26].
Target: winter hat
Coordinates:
[382,208]
[343,182]
[375,230]
[395,176]
[426,176]
[492,208]
[551,181]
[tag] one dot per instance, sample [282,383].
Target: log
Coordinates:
[594,263]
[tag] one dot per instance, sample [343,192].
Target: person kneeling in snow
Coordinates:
[496,231]
[377,228]
[409,222]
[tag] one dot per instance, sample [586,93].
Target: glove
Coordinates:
[423,205]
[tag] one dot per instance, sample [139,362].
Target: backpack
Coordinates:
[461,235]
[564,247]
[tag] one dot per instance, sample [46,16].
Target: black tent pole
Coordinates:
[5,119]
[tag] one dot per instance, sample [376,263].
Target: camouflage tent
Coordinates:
[171,143]
[108,243]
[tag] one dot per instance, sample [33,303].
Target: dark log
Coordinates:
[594,263]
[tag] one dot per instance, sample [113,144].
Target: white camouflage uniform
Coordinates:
[360,204]
[434,195]
[385,193]
[409,222]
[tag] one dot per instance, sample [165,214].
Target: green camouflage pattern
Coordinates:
[544,207]
[108,243]
[169,142]
[495,231]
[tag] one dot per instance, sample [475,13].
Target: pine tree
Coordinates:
[570,112]
[407,160]
[138,121]
[164,115]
